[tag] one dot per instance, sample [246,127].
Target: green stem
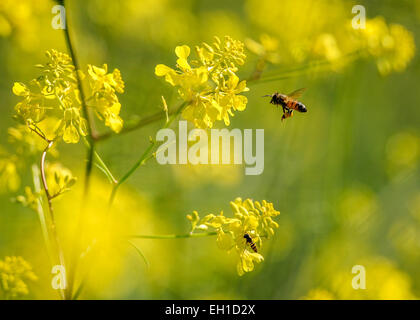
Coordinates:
[101,163]
[146,262]
[52,225]
[78,291]
[140,124]
[143,122]
[176,114]
[140,162]
[276,75]
[85,111]
[174,236]
[90,155]
[36,176]
[145,156]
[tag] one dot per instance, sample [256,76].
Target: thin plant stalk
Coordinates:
[144,157]
[138,125]
[90,156]
[304,69]
[101,164]
[173,236]
[141,123]
[36,176]
[140,162]
[52,225]
[86,114]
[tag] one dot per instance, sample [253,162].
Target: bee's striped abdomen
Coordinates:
[296,105]
[253,246]
[250,242]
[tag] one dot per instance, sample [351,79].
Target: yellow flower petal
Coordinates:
[182,51]
[183,64]
[70,134]
[161,70]
[224,241]
[20,89]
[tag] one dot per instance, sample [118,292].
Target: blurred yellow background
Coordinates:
[344,175]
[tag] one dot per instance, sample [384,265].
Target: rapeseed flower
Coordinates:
[209,85]
[14,272]
[104,87]
[55,94]
[391,45]
[249,217]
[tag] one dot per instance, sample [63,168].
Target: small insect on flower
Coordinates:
[250,242]
[288,102]
[252,222]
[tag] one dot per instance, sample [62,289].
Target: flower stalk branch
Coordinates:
[145,156]
[52,225]
[174,236]
[141,123]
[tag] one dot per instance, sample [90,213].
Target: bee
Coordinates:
[288,102]
[250,242]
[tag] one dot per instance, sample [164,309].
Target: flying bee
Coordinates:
[250,242]
[288,102]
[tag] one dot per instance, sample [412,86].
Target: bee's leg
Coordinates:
[286,110]
[284,113]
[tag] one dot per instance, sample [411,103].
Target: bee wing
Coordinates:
[297,93]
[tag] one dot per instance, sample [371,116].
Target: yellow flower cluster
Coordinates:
[14,272]
[209,85]
[22,22]
[104,86]
[59,179]
[29,199]
[55,93]
[249,217]
[26,145]
[392,45]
